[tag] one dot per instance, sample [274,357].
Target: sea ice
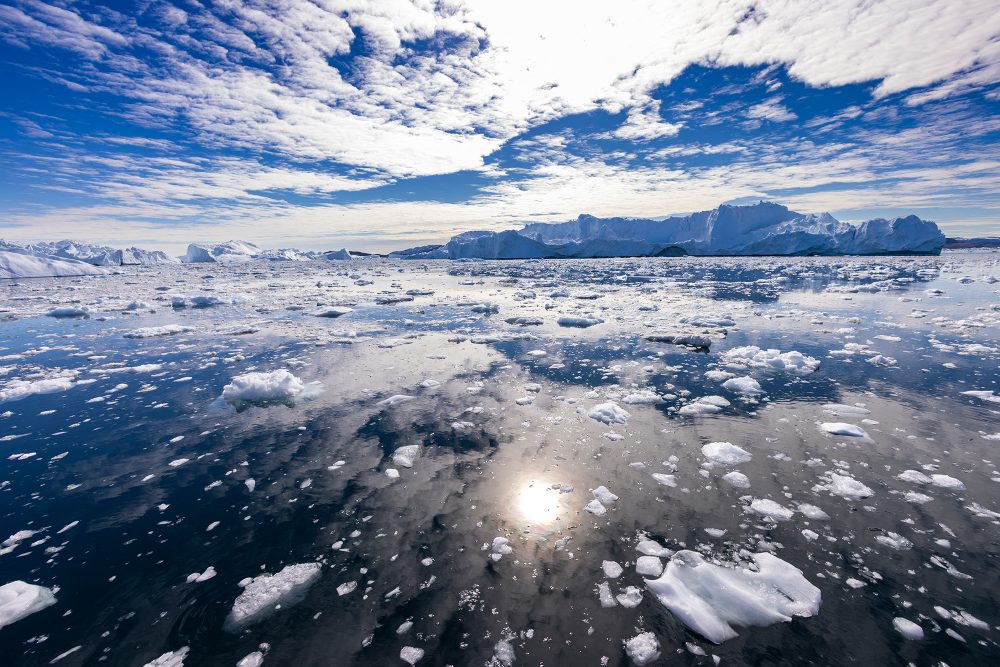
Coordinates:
[745,385]
[725,453]
[710,599]
[844,486]
[751,356]
[19,599]
[609,413]
[643,649]
[267,591]
[263,386]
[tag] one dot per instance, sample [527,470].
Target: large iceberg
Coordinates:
[96,255]
[230,251]
[710,599]
[243,251]
[19,263]
[760,229]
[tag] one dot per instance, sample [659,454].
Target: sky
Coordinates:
[382,125]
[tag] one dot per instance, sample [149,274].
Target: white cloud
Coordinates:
[273,77]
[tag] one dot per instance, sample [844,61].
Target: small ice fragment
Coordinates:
[612,570]
[737,480]
[643,648]
[908,628]
[725,453]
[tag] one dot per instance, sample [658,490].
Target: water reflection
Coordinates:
[537,503]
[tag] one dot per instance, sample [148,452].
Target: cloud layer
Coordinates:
[331,116]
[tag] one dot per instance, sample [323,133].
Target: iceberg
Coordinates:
[19,263]
[264,594]
[230,251]
[19,599]
[710,599]
[765,228]
[89,253]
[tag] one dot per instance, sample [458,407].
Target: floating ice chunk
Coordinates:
[908,628]
[404,456]
[503,653]
[69,311]
[392,473]
[500,548]
[653,548]
[894,540]
[605,595]
[170,659]
[604,495]
[771,510]
[813,512]
[696,340]
[664,479]
[198,577]
[737,480]
[947,482]
[840,428]
[596,508]
[632,596]
[266,592]
[643,649]
[917,498]
[19,599]
[612,570]
[332,311]
[578,321]
[16,389]
[251,484]
[155,332]
[842,410]
[982,512]
[983,395]
[255,659]
[395,400]
[263,386]
[725,453]
[844,486]
[709,321]
[914,477]
[642,398]
[745,385]
[609,413]
[706,405]
[710,599]
[524,321]
[346,587]
[648,566]
[411,654]
[752,356]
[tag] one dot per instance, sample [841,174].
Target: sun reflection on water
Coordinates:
[537,503]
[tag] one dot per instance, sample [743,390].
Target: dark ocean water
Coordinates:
[139,456]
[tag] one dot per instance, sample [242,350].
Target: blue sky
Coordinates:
[390,124]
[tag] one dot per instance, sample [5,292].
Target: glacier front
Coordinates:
[765,228]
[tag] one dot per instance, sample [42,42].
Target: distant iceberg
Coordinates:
[244,251]
[19,263]
[95,255]
[760,229]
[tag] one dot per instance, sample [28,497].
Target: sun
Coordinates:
[537,503]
